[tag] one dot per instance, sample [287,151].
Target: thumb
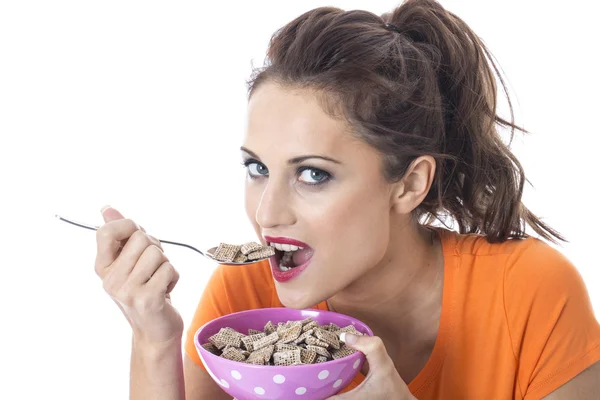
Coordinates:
[372,347]
[112,214]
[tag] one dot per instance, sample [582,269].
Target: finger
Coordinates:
[371,346]
[131,254]
[109,238]
[155,241]
[147,265]
[164,279]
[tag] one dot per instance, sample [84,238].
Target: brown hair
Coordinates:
[421,86]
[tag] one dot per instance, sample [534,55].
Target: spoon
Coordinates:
[208,253]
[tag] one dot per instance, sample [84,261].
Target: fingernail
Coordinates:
[348,338]
[104,209]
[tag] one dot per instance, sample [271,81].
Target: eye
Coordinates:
[313,176]
[256,169]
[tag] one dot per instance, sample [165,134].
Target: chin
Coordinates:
[297,301]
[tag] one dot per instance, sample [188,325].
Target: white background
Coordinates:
[141,105]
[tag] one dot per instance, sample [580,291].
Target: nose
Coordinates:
[275,208]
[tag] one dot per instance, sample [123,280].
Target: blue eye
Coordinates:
[313,176]
[256,169]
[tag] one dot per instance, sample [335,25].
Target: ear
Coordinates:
[411,190]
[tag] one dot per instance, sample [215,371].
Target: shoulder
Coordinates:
[522,270]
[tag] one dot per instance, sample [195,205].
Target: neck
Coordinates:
[400,298]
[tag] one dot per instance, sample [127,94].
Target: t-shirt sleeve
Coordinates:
[554,332]
[231,289]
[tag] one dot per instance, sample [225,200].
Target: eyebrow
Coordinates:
[295,160]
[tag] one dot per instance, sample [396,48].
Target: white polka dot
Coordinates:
[323,374]
[236,374]
[356,364]
[300,391]
[337,383]
[279,379]
[259,390]
[224,383]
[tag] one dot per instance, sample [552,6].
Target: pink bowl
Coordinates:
[247,381]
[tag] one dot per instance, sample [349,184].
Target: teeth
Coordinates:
[285,247]
[283,268]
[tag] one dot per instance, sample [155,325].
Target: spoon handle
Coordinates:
[95,228]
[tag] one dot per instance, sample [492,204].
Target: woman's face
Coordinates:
[310,180]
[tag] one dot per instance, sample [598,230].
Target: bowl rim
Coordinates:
[206,353]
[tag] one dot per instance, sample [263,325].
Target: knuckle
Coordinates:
[108,285]
[377,343]
[126,296]
[103,234]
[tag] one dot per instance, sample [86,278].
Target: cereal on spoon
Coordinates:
[236,253]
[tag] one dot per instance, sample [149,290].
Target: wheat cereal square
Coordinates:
[308,356]
[328,337]
[266,341]
[343,351]
[262,253]
[226,252]
[286,358]
[319,350]
[249,247]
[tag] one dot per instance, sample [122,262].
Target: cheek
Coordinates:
[357,229]
[251,202]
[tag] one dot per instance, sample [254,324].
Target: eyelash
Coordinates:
[328,176]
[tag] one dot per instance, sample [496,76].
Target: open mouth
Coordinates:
[289,253]
[289,259]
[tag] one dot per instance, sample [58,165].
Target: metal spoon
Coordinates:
[208,253]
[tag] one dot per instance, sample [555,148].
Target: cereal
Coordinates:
[307,356]
[322,351]
[226,252]
[266,341]
[328,337]
[211,348]
[240,258]
[285,347]
[269,328]
[226,336]
[310,325]
[343,351]
[349,329]
[290,334]
[250,247]
[303,337]
[313,341]
[233,354]
[333,327]
[239,254]
[262,253]
[248,341]
[285,358]
[282,344]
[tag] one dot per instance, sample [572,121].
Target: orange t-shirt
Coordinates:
[516,319]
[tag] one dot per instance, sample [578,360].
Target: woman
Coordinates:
[361,131]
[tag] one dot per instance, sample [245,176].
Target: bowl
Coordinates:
[308,381]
